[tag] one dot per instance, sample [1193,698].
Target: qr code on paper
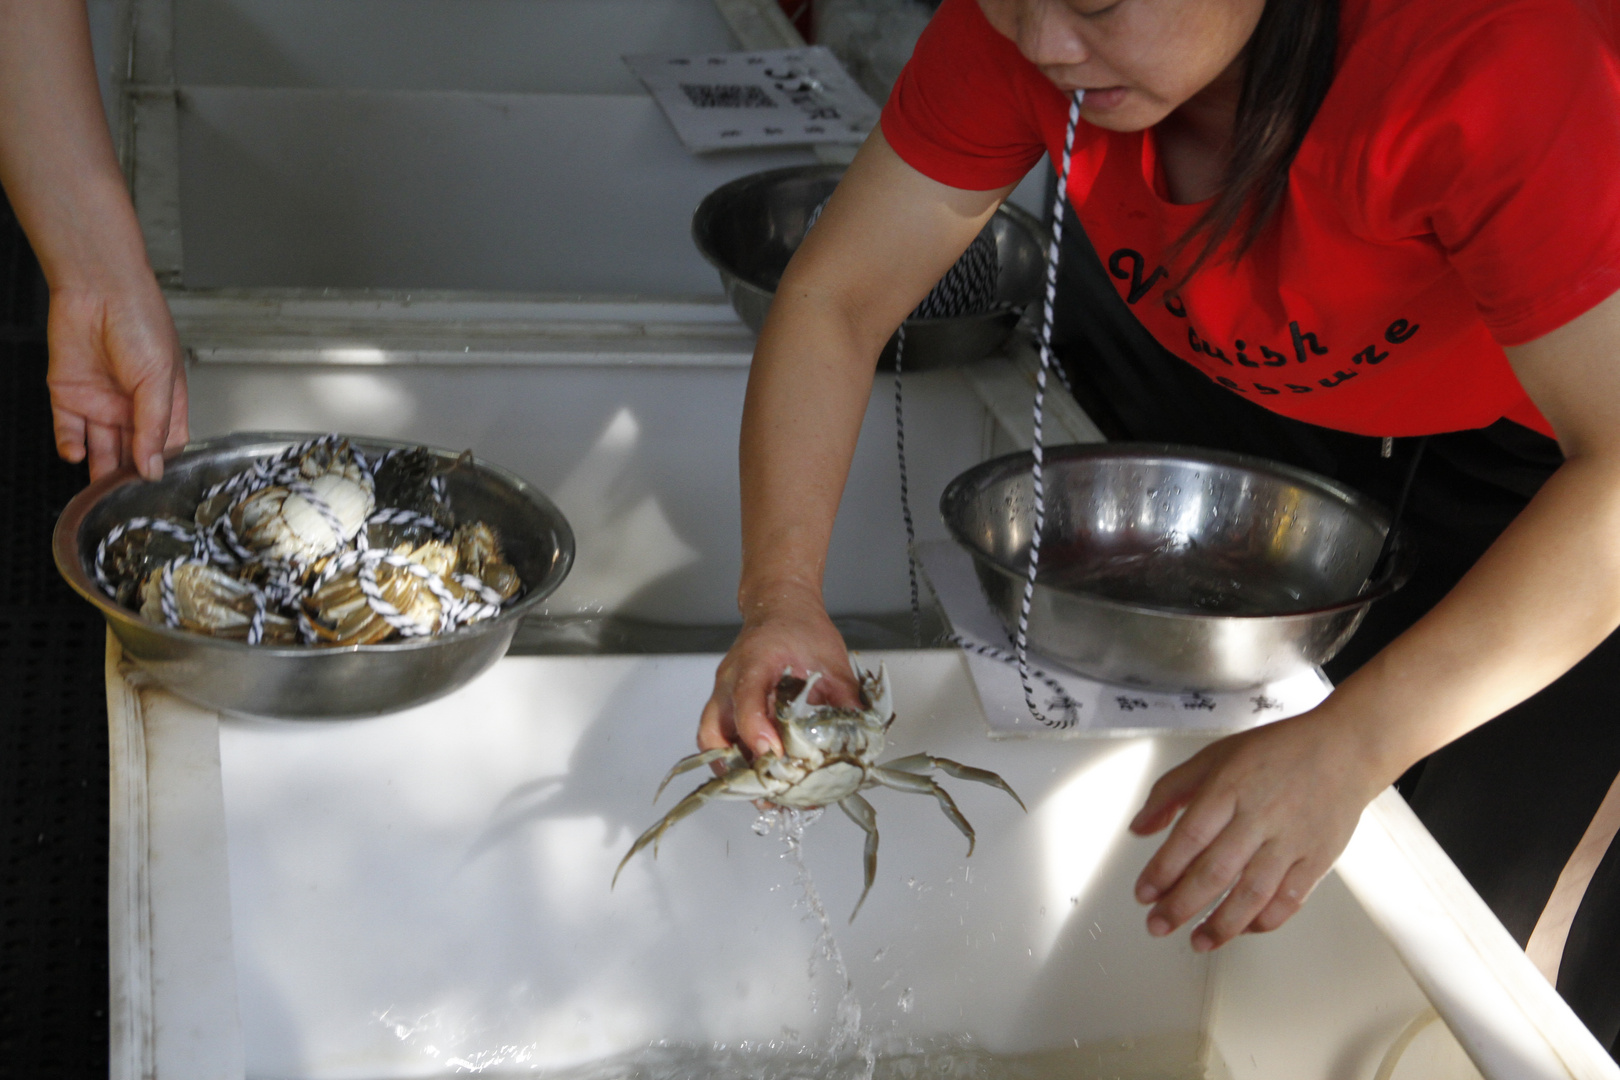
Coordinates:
[727,97]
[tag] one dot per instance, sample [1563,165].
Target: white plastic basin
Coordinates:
[428,893]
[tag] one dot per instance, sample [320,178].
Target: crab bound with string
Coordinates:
[830,755]
[320,544]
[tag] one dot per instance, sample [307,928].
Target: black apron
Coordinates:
[1510,800]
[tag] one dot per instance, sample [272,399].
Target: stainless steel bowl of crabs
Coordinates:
[829,755]
[329,576]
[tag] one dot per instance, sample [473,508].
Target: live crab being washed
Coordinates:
[317,545]
[829,756]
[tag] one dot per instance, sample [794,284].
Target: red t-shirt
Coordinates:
[1458,191]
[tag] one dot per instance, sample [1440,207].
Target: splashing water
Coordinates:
[846,1040]
[850,1051]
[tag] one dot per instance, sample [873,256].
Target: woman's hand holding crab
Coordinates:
[786,630]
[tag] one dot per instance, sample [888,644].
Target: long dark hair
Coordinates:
[1289,69]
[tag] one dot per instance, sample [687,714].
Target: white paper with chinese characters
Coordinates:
[1086,705]
[775,97]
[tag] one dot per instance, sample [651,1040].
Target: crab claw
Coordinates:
[799,707]
[875,696]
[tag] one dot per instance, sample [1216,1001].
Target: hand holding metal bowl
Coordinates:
[352,600]
[1176,568]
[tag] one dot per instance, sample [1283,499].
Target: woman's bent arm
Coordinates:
[1266,813]
[886,237]
[118,389]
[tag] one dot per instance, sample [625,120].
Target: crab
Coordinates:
[480,555]
[192,595]
[342,612]
[312,516]
[411,484]
[133,550]
[830,756]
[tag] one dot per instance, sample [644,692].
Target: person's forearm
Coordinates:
[1543,596]
[807,395]
[885,238]
[56,157]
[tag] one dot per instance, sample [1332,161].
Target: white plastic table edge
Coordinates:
[1503,1012]
[171,968]
[129,917]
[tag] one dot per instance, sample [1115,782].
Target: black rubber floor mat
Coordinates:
[53,844]
[53,727]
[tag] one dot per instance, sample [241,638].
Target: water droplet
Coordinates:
[879,954]
[908,1000]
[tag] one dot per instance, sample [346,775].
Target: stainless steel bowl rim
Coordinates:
[718,196]
[70,560]
[1395,574]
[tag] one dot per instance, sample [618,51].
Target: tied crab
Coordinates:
[829,756]
[195,596]
[296,548]
[309,515]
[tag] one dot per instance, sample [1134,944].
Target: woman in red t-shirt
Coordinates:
[1321,225]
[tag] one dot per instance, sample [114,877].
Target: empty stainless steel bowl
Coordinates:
[1175,568]
[750,228]
[308,682]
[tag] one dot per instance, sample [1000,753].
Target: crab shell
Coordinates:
[828,751]
[209,601]
[134,555]
[283,525]
[344,616]
[480,554]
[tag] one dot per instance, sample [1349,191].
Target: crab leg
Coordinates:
[917,763]
[924,785]
[731,754]
[861,813]
[686,806]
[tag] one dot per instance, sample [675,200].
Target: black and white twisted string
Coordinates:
[266,472]
[278,587]
[454,610]
[968,287]
[393,616]
[221,546]
[473,583]
[156,524]
[1061,701]
[167,604]
[905,483]
[301,488]
[393,515]
[255,633]
[1037,451]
